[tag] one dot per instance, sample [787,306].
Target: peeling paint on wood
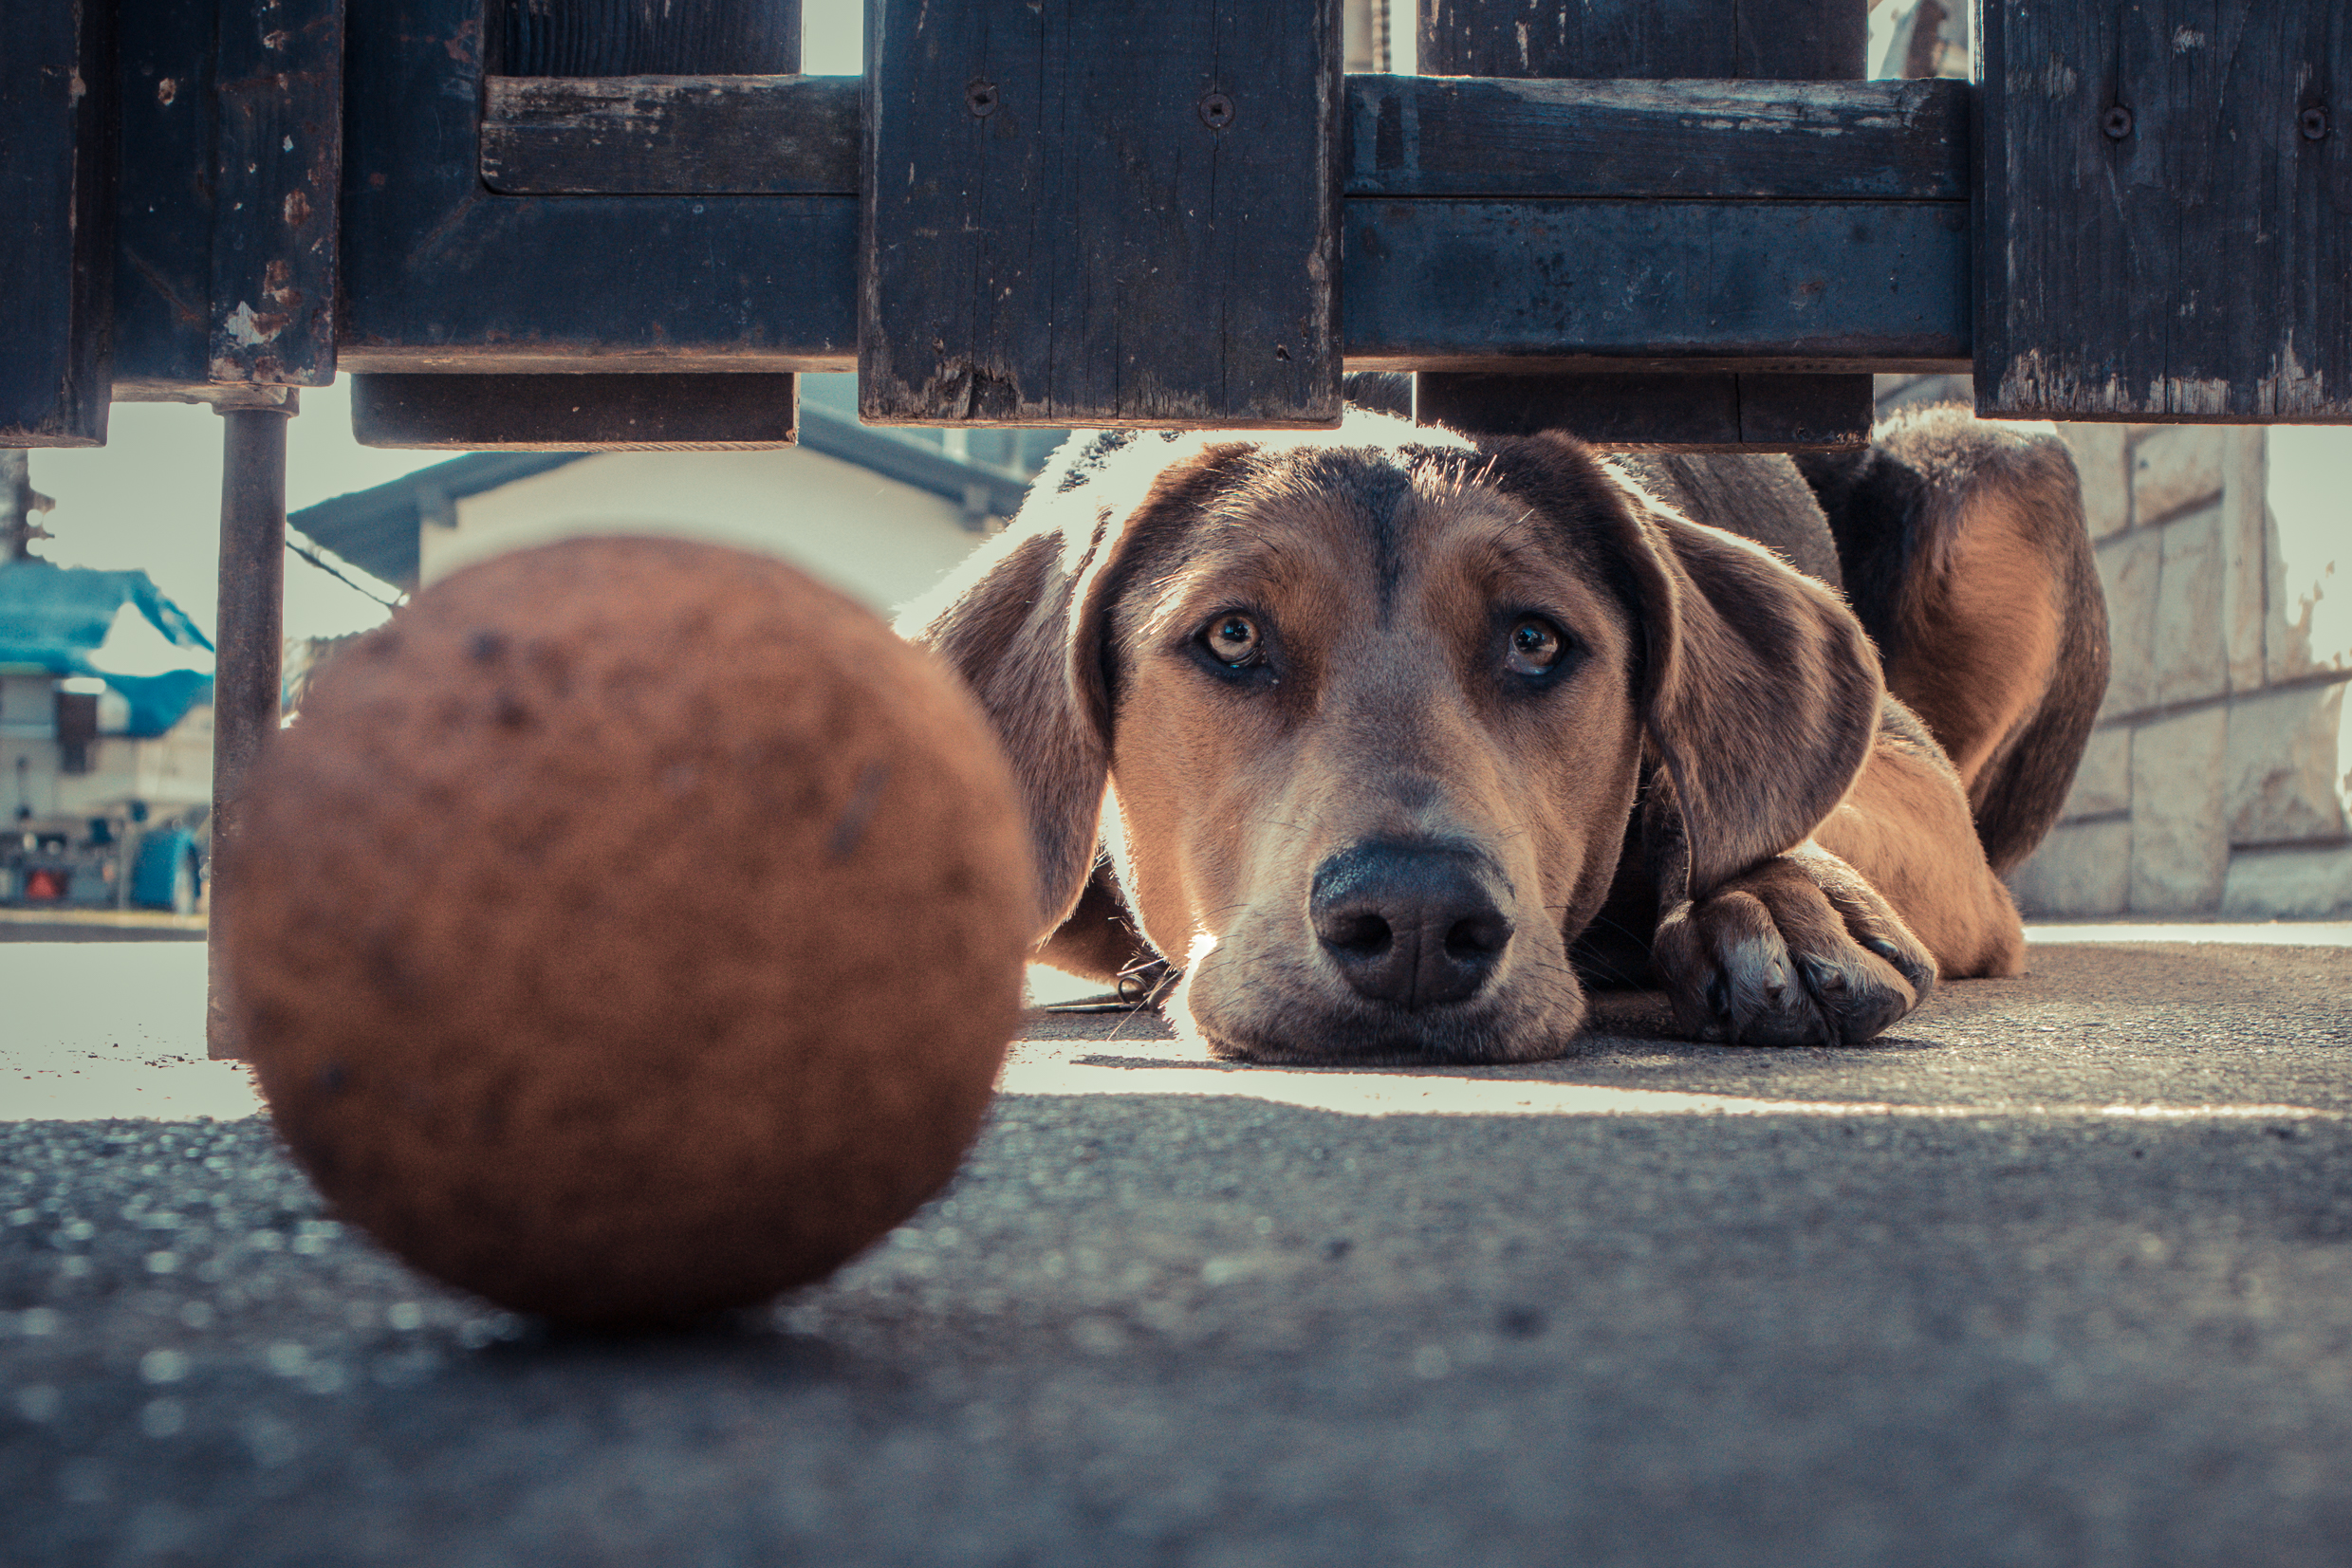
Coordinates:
[2190,259]
[1453,136]
[280,153]
[1119,213]
[1406,135]
[662,135]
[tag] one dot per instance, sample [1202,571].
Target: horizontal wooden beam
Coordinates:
[1449,137]
[1840,253]
[627,283]
[1719,412]
[671,135]
[1407,137]
[573,413]
[1782,285]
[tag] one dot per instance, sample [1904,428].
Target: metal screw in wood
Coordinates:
[1216,111]
[980,97]
[2116,122]
[2314,122]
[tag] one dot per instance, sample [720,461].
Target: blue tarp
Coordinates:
[55,617]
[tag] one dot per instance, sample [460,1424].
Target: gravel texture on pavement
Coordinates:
[2058,1273]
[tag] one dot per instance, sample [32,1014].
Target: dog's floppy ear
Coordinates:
[1758,687]
[1024,622]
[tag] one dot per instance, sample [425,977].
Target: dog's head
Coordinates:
[1371,711]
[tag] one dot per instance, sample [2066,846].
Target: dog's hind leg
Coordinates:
[1965,555]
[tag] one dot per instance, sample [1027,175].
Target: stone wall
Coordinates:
[2219,778]
[2216,782]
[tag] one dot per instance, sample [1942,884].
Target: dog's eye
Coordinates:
[1535,646]
[1233,640]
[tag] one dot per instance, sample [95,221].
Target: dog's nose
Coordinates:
[1412,925]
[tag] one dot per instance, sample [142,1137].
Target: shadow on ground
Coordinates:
[2061,1275]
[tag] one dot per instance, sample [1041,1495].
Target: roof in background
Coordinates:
[377,529]
[56,617]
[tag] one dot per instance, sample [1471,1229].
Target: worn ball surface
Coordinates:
[632,928]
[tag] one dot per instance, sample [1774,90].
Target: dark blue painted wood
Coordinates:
[1801,41]
[441,273]
[614,41]
[2167,210]
[1463,285]
[277,184]
[163,213]
[1112,213]
[56,212]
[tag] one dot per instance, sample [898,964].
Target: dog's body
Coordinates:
[1402,731]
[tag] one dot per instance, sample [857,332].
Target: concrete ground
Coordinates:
[2060,1273]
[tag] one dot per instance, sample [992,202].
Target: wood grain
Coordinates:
[1692,282]
[1809,140]
[1470,284]
[574,413]
[632,119]
[1755,40]
[672,135]
[635,37]
[277,185]
[1406,135]
[56,229]
[1115,213]
[2164,238]
[1716,412]
[163,213]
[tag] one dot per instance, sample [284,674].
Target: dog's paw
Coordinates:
[1799,952]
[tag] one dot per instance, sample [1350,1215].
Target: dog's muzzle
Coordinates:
[1410,925]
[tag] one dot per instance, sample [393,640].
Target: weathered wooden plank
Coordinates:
[2167,218]
[447,276]
[56,228]
[1768,40]
[1715,411]
[569,413]
[1791,285]
[1124,212]
[606,411]
[1407,135]
[660,134]
[1814,40]
[443,274]
[163,212]
[620,283]
[637,38]
[1813,141]
[277,187]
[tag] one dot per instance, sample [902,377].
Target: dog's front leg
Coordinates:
[1799,950]
[1845,933]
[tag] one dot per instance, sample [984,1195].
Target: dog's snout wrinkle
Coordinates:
[1412,925]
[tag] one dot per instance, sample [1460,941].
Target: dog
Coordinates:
[1383,743]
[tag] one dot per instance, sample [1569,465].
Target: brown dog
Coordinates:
[1402,731]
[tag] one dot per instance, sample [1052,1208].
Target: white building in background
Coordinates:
[879,513]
